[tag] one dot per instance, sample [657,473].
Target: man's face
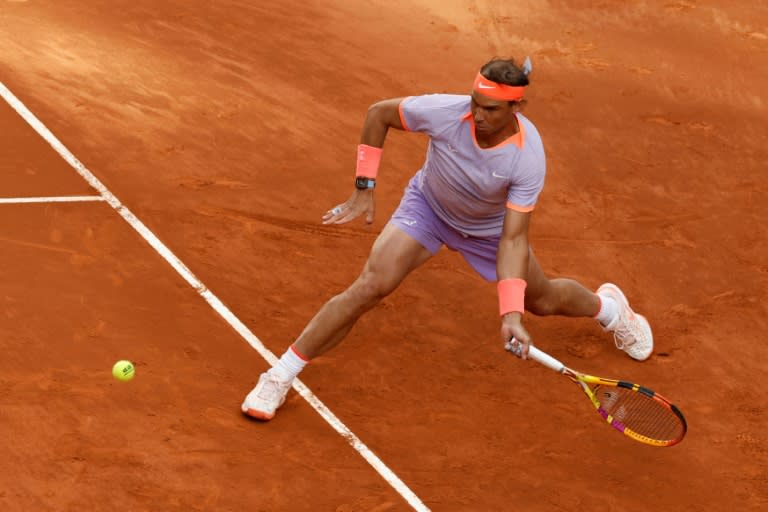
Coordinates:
[490,115]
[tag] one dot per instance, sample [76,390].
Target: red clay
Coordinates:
[230,128]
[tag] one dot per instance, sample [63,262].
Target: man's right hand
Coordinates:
[513,333]
[360,202]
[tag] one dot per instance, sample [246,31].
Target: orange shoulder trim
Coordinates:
[521,209]
[402,117]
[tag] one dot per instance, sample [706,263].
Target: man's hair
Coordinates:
[504,71]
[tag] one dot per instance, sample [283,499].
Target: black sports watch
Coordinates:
[363,183]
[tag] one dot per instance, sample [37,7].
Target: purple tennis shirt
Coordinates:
[469,187]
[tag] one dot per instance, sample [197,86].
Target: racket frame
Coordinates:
[585,381]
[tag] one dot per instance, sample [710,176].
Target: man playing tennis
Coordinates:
[483,173]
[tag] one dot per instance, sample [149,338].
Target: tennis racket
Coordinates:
[634,410]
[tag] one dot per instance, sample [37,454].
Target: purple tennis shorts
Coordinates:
[416,218]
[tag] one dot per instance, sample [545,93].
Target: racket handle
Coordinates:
[539,356]
[547,360]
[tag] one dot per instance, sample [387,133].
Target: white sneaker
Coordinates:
[269,394]
[631,332]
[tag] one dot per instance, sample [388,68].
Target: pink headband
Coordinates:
[497,91]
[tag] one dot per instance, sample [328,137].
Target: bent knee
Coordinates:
[370,288]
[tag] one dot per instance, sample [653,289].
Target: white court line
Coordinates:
[214,301]
[55,199]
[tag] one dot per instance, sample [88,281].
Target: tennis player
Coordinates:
[483,172]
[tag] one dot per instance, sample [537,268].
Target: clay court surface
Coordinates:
[228,128]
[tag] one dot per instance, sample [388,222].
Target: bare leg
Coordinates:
[393,256]
[561,296]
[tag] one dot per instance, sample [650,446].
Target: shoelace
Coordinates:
[623,336]
[271,389]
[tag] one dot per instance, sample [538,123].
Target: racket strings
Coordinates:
[640,413]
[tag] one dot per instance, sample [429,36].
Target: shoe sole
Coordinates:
[258,415]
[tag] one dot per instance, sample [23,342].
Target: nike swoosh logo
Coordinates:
[409,222]
[497,175]
[483,86]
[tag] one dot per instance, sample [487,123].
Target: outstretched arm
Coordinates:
[381,116]
[511,267]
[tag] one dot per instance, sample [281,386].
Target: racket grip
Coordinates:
[545,359]
[537,355]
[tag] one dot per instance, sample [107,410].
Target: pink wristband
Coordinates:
[368,160]
[511,295]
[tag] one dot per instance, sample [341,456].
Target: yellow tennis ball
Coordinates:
[123,370]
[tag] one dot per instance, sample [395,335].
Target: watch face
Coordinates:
[363,183]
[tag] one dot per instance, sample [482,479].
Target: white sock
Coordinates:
[289,366]
[608,310]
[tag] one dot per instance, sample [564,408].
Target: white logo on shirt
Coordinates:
[409,222]
[498,175]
